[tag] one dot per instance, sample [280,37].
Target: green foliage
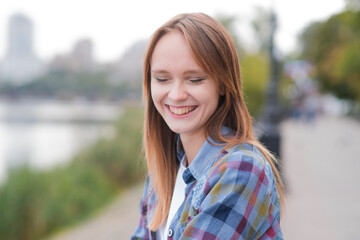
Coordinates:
[66,85]
[261,26]
[35,203]
[333,46]
[353,5]
[255,72]
[229,22]
[120,157]
[255,69]
[20,198]
[73,193]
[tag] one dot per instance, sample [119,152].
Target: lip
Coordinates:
[181,116]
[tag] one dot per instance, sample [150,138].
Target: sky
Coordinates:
[114,25]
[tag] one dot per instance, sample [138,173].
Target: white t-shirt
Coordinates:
[177,199]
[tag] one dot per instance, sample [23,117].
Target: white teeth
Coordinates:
[181,111]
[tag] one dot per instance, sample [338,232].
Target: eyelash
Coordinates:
[161,79]
[198,80]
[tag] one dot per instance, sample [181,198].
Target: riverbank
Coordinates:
[35,110]
[30,128]
[35,203]
[322,201]
[116,221]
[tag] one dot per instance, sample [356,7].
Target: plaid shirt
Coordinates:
[229,195]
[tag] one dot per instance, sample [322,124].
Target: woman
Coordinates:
[209,178]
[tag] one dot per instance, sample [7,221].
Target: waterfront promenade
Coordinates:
[321,165]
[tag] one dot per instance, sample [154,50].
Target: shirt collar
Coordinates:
[204,159]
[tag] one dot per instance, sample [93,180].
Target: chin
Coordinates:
[178,130]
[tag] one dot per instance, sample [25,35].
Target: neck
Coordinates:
[192,144]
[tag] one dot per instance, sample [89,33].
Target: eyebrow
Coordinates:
[184,73]
[159,71]
[193,72]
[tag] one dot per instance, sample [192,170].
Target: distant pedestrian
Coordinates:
[209,178]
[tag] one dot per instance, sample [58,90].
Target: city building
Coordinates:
[20,64]
[80,59]
[128,69]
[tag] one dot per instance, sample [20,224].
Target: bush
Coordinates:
[255,72]
[120,158]
[34,204]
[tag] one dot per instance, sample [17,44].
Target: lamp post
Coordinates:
[271,115]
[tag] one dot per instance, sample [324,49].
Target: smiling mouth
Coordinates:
[181,110]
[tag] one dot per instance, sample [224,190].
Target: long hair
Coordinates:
[214,50]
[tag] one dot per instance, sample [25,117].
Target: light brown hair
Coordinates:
[214,50]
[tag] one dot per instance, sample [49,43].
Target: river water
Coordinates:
[45,133]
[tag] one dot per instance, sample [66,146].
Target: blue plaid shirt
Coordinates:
[230,194]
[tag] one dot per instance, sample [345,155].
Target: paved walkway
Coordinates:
[322,169]
[116,222]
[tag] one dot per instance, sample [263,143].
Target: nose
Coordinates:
[178,92]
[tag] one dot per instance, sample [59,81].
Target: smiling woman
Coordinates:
[182,93]
[209,178]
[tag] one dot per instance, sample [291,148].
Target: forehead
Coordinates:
[173,52]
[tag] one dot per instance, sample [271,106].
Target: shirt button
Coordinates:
[170,232]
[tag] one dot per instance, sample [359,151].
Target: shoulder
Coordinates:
[244,164]
[246,153]
[241,184]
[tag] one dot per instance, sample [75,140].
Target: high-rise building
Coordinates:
[129,68]
[80,59]
[82,55]
[20,64]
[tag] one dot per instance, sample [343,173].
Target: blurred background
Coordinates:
[71,160]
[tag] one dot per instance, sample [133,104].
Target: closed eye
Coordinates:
[197,80]
[161,79]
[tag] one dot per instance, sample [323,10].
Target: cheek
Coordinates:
[209,96]
[156,96]
[213,101]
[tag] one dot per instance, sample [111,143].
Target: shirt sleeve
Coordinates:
[240,202]
[142,232]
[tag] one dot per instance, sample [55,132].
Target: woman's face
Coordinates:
[182,92]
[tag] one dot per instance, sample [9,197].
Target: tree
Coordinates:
[255,74]
[229,22]
[353,5]
[333,47]
[261,25]
[254,66]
